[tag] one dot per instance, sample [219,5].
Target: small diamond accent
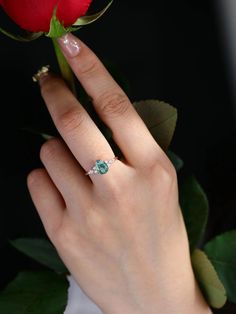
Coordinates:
[101,166]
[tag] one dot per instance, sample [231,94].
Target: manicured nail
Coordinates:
[70,45]
[41,74]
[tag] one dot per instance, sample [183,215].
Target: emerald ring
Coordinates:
[101,166]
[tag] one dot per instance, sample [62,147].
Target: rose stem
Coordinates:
[66,71]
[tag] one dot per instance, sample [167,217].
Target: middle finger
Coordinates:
[112,104]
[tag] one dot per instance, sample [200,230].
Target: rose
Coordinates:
[35,15]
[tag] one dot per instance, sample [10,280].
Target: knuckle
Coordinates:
[113,105]
[66,237]
[167,175]
[49,149]
[94,222]
[53,229]
[62,236]
[160,168]
[115,191]
[71,120]
[89,66]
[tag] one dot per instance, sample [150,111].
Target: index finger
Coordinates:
[113,106]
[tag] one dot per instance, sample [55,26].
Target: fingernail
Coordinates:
[70,45]
[41,74]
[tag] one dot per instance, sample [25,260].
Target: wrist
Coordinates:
[184,301]
[189,300]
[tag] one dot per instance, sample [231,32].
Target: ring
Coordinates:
[41,73]
[101,166]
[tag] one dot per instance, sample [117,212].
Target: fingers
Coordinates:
[65,172]
[111,103]
[47,200]
[79,131]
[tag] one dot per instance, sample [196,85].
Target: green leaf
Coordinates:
[41,133]
[42,251]
[88,19]
[176,161]
[56,28]
[194,205]
[23,38]
[222,253]
[35,293]
[160,119]
[208,280]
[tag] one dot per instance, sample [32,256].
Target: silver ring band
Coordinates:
[101,166]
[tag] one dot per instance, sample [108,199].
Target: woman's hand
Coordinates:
[121,234]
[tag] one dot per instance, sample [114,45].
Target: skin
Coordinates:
[121,235]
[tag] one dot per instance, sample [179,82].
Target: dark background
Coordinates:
[169,50]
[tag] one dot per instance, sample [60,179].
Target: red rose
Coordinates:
[35,15]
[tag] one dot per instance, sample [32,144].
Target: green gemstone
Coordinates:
[101,166]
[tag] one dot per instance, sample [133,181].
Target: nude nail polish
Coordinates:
[70,45]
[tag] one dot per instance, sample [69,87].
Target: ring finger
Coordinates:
[79,131]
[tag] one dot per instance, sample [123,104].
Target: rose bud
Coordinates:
[35,15]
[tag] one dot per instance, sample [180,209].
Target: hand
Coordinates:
[121,234]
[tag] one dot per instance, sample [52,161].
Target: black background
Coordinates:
[169,50]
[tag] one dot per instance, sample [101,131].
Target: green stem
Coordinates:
[66,71]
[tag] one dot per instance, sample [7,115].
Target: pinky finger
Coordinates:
[47,200]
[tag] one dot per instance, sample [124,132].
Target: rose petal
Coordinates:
[35,15]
